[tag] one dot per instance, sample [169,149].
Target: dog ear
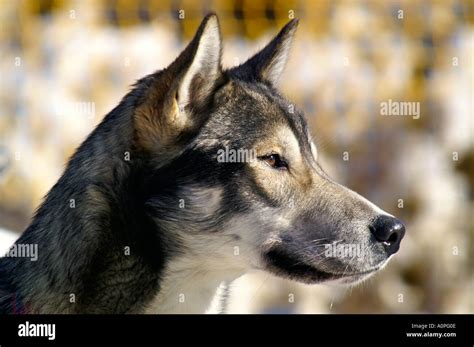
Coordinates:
[268,64]
[202,65]
[175,98]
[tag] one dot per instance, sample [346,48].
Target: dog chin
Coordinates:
[357,278]
[351,280]
[315,276]
[284,265]
[347,279]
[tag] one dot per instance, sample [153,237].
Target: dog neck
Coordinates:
[190,286]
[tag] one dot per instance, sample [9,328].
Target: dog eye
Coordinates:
[275,161]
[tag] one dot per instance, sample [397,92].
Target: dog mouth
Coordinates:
[286,265]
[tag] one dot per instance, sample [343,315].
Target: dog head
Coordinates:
[235,175]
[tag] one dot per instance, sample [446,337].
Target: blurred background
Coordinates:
[64,64]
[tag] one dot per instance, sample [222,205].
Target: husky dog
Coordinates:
[146,219]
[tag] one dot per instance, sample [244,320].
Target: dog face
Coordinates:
[237,177]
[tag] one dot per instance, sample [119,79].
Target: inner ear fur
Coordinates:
[175,99]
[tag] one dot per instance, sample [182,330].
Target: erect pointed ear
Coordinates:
[175,97]
[269,63]
[202,64]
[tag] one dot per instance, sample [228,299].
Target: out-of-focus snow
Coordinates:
[7,238]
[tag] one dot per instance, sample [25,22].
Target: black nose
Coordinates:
[389,231]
